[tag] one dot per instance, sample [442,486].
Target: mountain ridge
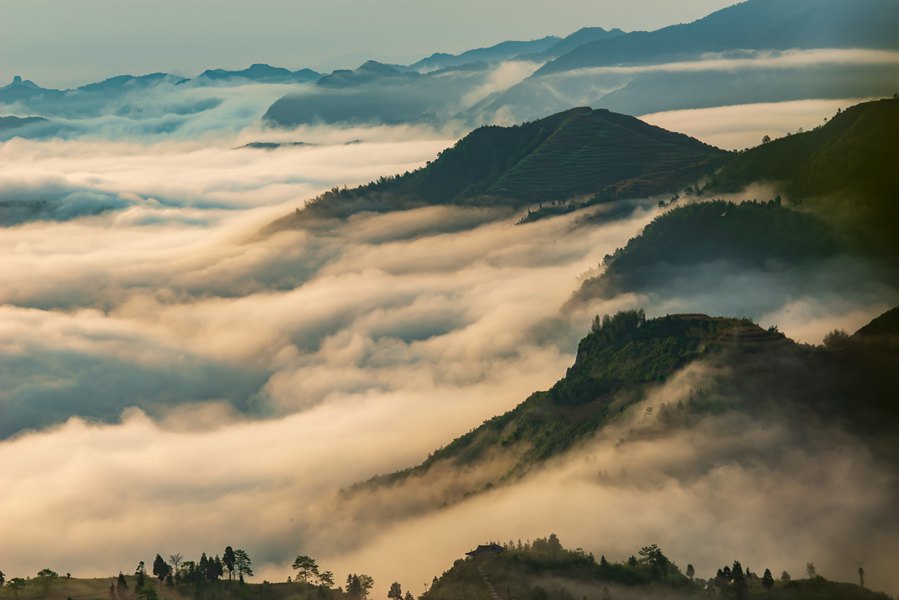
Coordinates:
[576,152]
[753,24]
[618,365]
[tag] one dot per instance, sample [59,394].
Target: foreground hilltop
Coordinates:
[545,570]
[541,569]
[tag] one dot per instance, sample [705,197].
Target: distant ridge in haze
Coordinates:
[755,24]
[261,73]
[496,53]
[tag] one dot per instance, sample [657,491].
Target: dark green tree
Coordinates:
[810,570]
[218,569]
[367,583]
[15,584]
[768,581]
[243,564]
[408,596]
[161,569]
[395,592]
[785,576]
[228,560]
[353,587]
[2,578]
[655,559]
[306,567]
[691,572]
[121,582]
[326,578]
[203,566]
[46,578]
[739,581]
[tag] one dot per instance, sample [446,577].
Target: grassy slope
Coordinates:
[855,150]
[845,171]
[98,589]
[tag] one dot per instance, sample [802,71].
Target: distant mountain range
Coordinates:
[261,73]
[740,54]
[497,53]
[751,25]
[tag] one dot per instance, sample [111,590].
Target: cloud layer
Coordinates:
[172,371]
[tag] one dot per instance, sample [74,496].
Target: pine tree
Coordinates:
[768,581]
[160,568]
[228,561]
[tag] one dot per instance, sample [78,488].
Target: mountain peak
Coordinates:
[576,153]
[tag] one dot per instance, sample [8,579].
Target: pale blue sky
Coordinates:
[66,42]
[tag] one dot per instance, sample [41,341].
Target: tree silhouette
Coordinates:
[353,587]
[367,583]
[243,564]
[16,584]
[326,578]
[785,576]
[228,560]
[768,581]
[395,592]
[46,578]
[739,580]
[810,570]
[161,569]
[861,577]
[305,567]
[655,559]
[690,571]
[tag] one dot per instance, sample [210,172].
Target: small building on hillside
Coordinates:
[483,551]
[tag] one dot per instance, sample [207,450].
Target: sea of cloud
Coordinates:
[175,381]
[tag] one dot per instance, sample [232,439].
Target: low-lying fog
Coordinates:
[175,382]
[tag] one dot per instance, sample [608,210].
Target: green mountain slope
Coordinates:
[845,170]
[577,152]
[847,384]
[765,236]
[854,151]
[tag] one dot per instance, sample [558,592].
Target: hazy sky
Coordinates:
[64,42]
